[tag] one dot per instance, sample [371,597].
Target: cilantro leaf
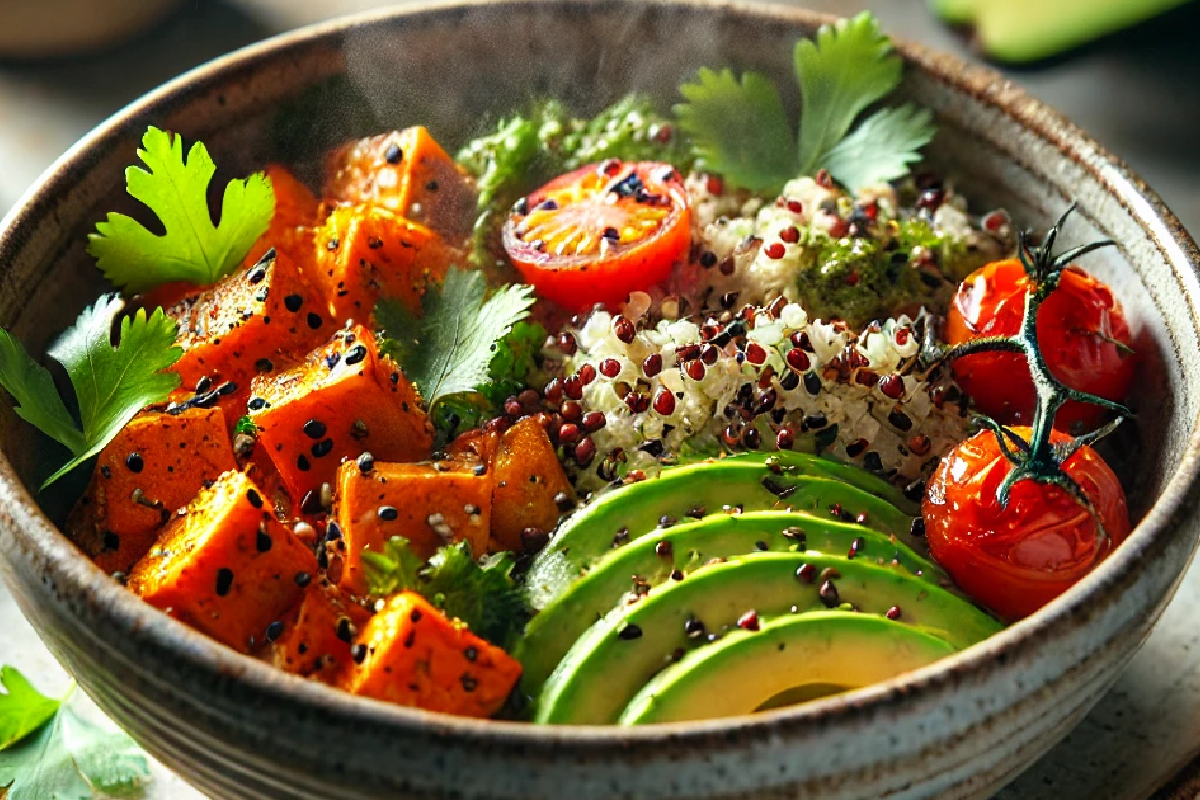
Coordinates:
[68,757]
[480,593]
[192,248]
[114,383]
[111,383]
[882,147]
[38,401]
[23,709]
[457,334]
[739,130]
[393,570]
[847,68]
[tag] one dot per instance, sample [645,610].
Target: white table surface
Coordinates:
[1136,95]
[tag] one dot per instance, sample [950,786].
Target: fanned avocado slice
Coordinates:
[746,669]
[805,483]
[686,547]
[611,662]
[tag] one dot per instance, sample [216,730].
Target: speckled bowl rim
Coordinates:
[130,615]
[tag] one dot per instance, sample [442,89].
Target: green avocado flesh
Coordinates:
[814,484]
[745,669]
[1028,30]
[616,656]
[551,633]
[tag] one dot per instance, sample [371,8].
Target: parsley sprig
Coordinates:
[192,249]
[449,350]
[111,383]
[740,129]
[49,750]
[480,593]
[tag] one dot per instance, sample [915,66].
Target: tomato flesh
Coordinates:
[1081,329]
[600,232]
[1015,559]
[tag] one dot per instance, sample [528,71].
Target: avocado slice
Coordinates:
[611,662]
[1020,31]
[551,633]
[630,511]
[792,462]
[745,669]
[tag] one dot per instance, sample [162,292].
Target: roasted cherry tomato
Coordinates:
[1081,329]
[596,234]
[1016,559]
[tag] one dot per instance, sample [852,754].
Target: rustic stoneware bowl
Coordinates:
[959,729]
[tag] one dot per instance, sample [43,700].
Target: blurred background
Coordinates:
[65,65]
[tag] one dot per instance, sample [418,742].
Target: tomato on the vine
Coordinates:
[1082,332]
[1017,558]
[600,232]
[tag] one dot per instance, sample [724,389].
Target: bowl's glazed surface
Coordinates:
[958,729]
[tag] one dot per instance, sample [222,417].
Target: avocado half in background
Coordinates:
[1021,31]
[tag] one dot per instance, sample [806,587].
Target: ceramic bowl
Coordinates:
[958,729]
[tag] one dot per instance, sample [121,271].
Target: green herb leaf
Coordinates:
[68,757]
[114,383]
[111,383]
[393,570]
[481,592]
[38,401]
[192,248]
[517,357]
[881,147]
[847,68]
[23,709]
[457,334]
[739,130]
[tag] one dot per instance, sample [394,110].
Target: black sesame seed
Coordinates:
[345,629]
[630,632]
[111,541]
[134,462]
[359,653]
[873,462]
[302,463]
[314,320]
[314,429]
[812,383]
[224,581]
[693,627]
[393,155]
[256,404]
[468,683]
[262,542]
[356,354]
[293,302]
[254,498]
[917,528]
[366,463]
[322,448]
[274,631]
[761,545]
[264,365]
[303,579]
[471,653]
[388,513]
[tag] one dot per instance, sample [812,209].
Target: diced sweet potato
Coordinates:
[430,504]
[252,318]
[475,446]
[226,567]
[406,172]
[316,637]
[528,478]
[366,251]
[344,399]
[154,466]
[414,656]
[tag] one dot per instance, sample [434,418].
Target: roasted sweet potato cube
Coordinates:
[414,656]
[316,636]
[344,399]
[154,466]
[528,477]
[226,566]
[264,313]
[366,251]
[430,504]
[406,172]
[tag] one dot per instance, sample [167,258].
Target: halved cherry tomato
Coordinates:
[1081,329]
[1016,559]
[596,234]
